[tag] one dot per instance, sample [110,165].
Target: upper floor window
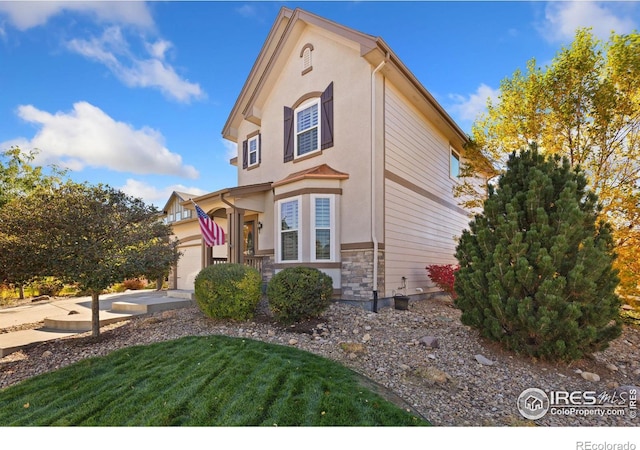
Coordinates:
[251,151]
[454,164]
[307,128]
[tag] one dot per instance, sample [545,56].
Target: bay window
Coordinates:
[289,231]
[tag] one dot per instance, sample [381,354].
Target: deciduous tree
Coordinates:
[93,236]
[584,106]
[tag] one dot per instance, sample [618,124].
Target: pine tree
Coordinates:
[536,265]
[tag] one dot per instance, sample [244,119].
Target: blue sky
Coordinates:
[135,94]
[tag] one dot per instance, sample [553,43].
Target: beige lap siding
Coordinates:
[422,218]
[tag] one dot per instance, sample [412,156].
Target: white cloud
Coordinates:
[26,14]
[87,136]
[247,10]
[468,108]
[563,18]
[156,196]
[112,50]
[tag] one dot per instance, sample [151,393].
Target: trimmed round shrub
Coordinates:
[228,291]
[298,293]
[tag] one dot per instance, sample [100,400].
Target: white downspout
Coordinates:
[374,237]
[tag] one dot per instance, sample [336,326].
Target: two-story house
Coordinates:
[345,163]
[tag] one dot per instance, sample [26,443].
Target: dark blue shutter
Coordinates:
[245,155]
[326,100]
[259,148]
[288,134]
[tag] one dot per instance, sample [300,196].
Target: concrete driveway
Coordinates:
[38,311]
[70,316]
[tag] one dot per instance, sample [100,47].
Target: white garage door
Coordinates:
[189,265]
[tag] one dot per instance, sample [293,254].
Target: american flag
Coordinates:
[212,233]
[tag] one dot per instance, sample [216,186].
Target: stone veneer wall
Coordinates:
[357,274]
[267,270]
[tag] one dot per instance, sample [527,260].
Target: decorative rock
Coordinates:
[430,341]
[271,333]
[433,374]
[636,372]
[366,337]
[612,368]
[293,341]
[589,376]
[431,356]
[578,371]
[484,361]
[47,354]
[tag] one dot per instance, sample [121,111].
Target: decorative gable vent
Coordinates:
[305,54]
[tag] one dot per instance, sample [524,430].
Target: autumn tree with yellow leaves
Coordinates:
[584,106]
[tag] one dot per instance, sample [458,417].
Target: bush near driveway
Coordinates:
[228,291]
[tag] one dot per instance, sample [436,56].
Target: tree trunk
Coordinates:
[95,313]
[159,282]
[21,292]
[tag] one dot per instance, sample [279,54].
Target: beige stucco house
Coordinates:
[345,163]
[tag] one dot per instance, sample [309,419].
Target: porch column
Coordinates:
[235,238]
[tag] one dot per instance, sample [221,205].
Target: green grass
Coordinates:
[200,381]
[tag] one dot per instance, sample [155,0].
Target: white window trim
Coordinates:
[332,228]
[306,105]
[279,229]
[453,152]
[257,141]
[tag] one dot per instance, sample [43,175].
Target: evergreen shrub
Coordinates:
[228,291]
[298,293]
[536,265]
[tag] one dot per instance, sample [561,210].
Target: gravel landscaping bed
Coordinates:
[423,358]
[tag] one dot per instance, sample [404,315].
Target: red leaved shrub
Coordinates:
[444,275]
[134,284]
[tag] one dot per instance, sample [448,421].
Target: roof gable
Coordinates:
[287,27]
[177,197]
[321,172]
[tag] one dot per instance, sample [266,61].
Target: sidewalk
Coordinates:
[69,316]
